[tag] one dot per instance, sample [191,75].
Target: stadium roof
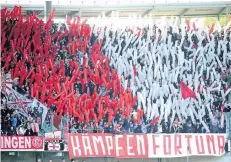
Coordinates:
[95,8]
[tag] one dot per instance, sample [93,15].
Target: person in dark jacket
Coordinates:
[138,129]
[190,128]
[12,132]
[198,128]
[126,125]
[29,132]
[166,128]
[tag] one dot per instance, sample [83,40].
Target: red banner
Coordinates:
[145,145]
[22,143]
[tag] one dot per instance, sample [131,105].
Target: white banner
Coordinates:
[17,101]
[40,111]
[6,84]
[53,136]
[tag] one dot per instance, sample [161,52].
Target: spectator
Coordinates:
[29,131]
[166,128]
[126,125]
[176,128]
[184,126]
[198,128]
[90,127]
[79,130]
[85,129]
[30,118]
[138,129]
[39,160]
[118,128]
[190,128]
[14,121]
[100,127]
[145,128]
[95,129]
[111,129]
[131,127]
[8,120]
[35,128]
[12,132]
[74,129]
[215,125]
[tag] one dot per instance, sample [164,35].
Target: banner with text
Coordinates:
[22,143]
[145,145]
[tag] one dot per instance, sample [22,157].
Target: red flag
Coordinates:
[154,121]
[186,92]
[56,121]
[188,24]
[139,115]
[32,92]
[211,29]
[222,107]
[134,70]
[31,71]
[109,118]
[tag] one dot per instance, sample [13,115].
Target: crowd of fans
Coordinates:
[120,126]
[94,98]
[13,123]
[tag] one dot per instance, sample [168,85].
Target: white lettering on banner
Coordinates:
[109,142]
[140,144]
[129,147]
[117,147]
[86,145]
[75,145]
[7,142]
[27,143]
[146,145]
[21,142]
[14,142]
[152,145]
[98,140]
